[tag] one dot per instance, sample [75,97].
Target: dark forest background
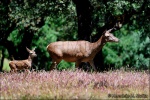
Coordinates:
[35,24]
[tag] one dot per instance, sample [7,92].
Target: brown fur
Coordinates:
[78,51]
[23,64]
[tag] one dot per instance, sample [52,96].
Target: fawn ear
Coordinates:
[27,49]
[106,33]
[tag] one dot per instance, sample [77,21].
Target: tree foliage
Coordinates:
[131,51]
[37,23]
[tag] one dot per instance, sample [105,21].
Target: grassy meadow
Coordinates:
[75,85]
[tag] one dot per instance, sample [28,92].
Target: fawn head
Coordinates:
[32,53]
[108,37]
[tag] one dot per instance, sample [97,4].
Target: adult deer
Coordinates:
[23,64]
[78,51]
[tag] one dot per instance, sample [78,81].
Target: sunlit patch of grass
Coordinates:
[6,65]
[73,85]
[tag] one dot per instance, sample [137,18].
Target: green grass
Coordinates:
[6,65]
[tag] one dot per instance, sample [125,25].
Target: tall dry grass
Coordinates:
[74,85]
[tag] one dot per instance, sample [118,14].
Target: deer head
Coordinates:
[109,37]
[32,53]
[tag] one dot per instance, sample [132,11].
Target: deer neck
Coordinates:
[30,58]
[97,46]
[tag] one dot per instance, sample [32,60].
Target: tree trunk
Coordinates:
[84,13]
[2,61]
[99,59]
[26,42]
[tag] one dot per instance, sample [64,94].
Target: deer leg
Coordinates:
[92,64]
[77,64]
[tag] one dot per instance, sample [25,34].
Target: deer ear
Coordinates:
[106,33]
[27,49]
